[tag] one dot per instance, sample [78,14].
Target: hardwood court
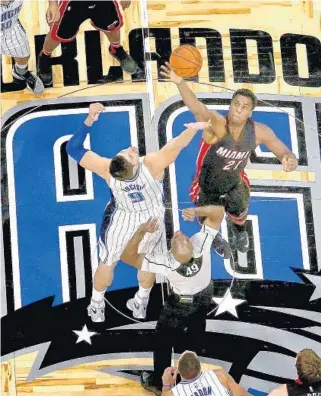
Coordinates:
[274,17]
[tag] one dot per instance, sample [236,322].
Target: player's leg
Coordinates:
[169,329]
[138,304]
[107,16]
[14,43]
[63,31]
[103,278]
[212,222]
[237,202]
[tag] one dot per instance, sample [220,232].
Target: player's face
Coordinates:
[240,109]
[131,155]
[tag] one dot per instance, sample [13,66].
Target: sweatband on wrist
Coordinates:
[75,146]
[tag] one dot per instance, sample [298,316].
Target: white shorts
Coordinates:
[117,229]
[14,42]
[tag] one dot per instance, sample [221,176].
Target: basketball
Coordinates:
[186,61]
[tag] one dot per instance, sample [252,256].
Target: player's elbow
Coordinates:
[74,151]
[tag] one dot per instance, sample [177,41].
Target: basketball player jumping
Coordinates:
[105,16]
[14,43]
[136,195]
[220,183]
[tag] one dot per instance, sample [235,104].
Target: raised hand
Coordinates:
[289,162]
[94,111]
[169,73]
[150,226]
[198,125]
[189,214]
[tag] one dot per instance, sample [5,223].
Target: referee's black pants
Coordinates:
[182,326]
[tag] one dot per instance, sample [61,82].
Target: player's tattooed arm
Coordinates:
[200,111]
[87,158]
[130,255]
[265,135]
[229,383]
[158,161]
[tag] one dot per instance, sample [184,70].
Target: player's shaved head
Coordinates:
[181,247]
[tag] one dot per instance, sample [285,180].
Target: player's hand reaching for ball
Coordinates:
[169,73]
[289,162]
[189,214]
[94,111]
[150,226]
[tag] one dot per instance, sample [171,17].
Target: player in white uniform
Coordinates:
[194,382]
[136,195]
[14,43]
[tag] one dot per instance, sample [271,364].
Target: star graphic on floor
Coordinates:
[84,335]
[227,304]
[316,281]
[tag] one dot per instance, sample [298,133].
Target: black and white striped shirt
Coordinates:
[187,279]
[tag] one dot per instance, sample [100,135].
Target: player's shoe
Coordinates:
[96,310]
[239,239]
[221,246]
[138,306]
[44,67]
[146,381]
[33,82]
[127,63]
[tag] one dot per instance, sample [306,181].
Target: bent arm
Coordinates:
[87,158]
[265,135]
[279,391]
[130,255]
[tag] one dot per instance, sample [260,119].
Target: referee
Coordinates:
[187,267]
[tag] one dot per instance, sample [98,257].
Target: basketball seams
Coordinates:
[189,48]
[184,61]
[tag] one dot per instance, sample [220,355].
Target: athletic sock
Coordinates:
[115,45]
[97,296]
[142,293]
[21,69]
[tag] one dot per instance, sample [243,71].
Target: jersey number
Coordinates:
[232,165]
[192,270]
[136,197]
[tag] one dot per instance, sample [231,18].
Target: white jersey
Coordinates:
[141,194]
[132,203]
[10,14]
[187,279]
[205,384]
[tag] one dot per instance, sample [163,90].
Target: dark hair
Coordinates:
[308,365]
[189,365]
[119,167]
[248,94]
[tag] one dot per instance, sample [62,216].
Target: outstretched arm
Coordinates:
[87,158]
[200,111]
[160,160]
[228,381]
[265,135]
[130,255]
